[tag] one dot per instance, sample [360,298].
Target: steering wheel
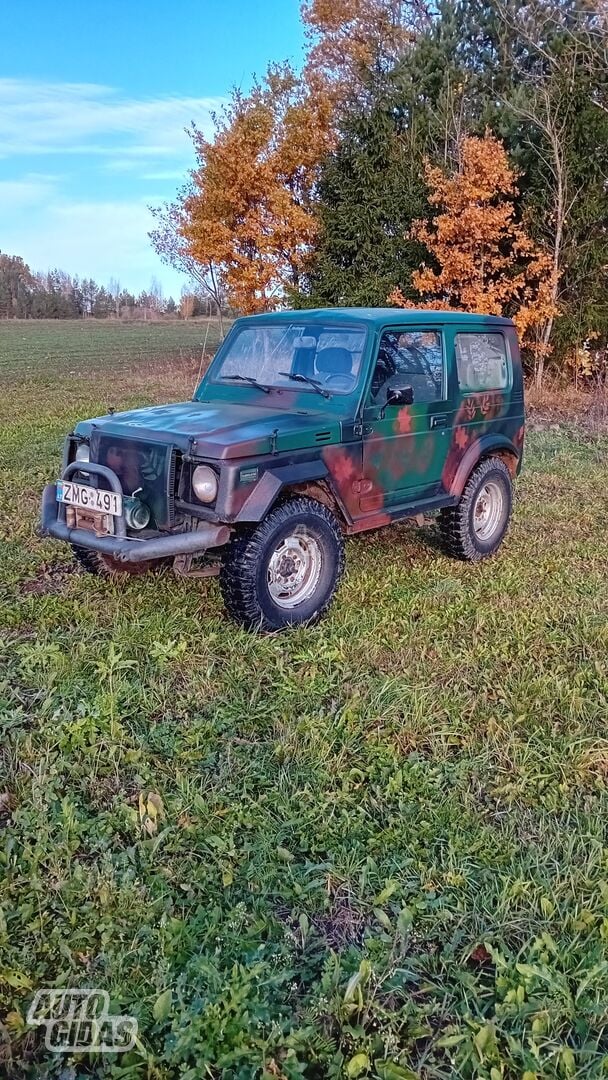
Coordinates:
[340,382]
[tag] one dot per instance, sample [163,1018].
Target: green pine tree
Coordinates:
[370,192]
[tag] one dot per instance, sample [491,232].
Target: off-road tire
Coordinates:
[95,562]
[456,523]
[246,565]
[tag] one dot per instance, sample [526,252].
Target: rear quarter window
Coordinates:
[482,361]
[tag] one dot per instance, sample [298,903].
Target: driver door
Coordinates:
[405,445]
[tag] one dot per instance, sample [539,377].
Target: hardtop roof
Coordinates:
[380,316]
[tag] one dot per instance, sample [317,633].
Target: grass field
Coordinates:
[375,848]
[76,347]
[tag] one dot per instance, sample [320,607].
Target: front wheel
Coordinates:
[476,527]
[285,571]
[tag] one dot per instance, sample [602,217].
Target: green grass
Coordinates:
[381,848]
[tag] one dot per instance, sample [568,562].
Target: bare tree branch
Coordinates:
[170,245]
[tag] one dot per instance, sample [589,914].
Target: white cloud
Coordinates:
[31,190]
[50,220]
[87,118]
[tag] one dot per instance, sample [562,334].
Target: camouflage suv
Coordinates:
[308,427]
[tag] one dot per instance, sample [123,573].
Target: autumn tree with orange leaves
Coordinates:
[350,39]
[485,260]
[248,212]
[247,221]
[307,191]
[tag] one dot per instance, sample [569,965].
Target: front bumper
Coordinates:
[120,546]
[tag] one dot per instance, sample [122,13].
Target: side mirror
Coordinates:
[400,395]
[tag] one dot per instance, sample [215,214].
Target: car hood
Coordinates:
[219,429]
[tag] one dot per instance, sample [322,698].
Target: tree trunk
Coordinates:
[557,150]
[539,370]
[220,318]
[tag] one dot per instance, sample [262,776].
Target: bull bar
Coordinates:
[120,546]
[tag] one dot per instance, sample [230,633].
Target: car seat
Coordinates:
[335,364]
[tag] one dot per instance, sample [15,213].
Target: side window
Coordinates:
[409,358]
[482,361]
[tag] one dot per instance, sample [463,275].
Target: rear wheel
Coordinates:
[476,527]
[95,562]
[285,571]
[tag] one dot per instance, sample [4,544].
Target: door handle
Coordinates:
[439,421]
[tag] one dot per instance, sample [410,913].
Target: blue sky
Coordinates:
[93,104]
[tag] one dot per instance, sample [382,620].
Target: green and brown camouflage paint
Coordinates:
[373,465]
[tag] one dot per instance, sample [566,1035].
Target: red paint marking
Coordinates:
[461,438]
[404,421]
[342,468]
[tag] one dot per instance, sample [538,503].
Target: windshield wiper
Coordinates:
[316,385]
[249,379]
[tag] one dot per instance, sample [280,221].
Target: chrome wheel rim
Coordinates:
[487,511]
[294,570]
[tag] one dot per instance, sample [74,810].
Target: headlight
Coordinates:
[137,514]
[82,452]
[204,483]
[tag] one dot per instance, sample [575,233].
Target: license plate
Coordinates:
[88,498]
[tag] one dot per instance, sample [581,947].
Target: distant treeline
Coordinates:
[57,295]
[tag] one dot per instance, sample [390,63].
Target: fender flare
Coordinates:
[481,448]
[272,482]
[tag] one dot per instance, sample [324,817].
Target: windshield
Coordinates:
[296,356]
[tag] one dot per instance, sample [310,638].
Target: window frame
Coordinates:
[213,378]
[408,328]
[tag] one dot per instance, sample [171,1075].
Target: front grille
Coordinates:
[172,482]
[142,467]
